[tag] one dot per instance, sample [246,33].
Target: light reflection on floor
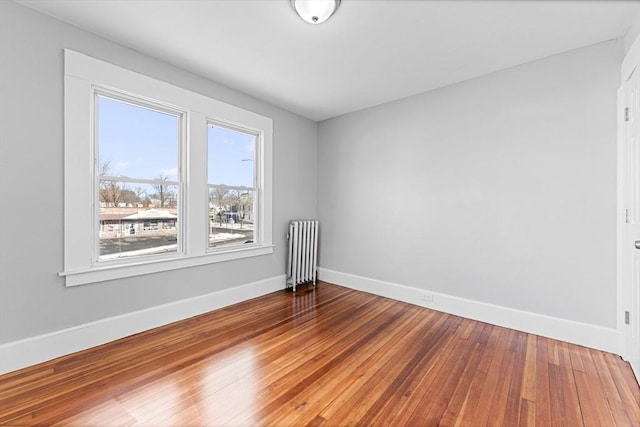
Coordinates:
[228,387]
[178,397]
[303,305]
[232,375]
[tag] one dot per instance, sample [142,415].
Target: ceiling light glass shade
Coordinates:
[315,11]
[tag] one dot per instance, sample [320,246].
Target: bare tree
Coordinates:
[163,191]
[143,198]
[105,168]
[240,202]
[129,197]
[110,191]
[245,205]
[233,199]
[218,198]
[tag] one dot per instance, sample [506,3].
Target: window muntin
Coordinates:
[233,185]
[137,146]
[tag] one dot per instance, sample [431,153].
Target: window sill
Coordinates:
[119,271]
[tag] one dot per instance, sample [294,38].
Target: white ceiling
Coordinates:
[368,53]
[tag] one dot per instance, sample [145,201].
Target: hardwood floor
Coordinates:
[326,356]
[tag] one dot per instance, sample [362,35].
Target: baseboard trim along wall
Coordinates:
[593,336]
[30,351]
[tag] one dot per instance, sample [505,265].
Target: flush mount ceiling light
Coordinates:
[315,11]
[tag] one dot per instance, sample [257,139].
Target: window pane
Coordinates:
[132,221]
[136,142]
[136,219]
[231,217]
[231,157]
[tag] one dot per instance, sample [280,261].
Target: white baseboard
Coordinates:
[30,351]
[593,336]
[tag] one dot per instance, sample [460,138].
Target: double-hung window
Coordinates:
[231,177]
[158,177]
[138,177]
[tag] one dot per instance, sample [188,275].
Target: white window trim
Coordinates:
[83,74]
[181,152]
[257,174]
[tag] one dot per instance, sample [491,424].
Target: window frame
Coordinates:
[83,76]
[256,183]
[181,156]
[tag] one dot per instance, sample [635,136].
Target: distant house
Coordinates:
[118,221]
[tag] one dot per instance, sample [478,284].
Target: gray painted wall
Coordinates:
[33,299]
[501,189]
[634,30]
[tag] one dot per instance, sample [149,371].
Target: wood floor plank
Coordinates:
[290,386]
[279,387]
[557,404]
[553,355]
[529,383]
[368,399]
[431,410]
[495,373]
[476,366]
[627,411]
[543,399]
[498,408]
[365,364]
[514,399]
[400,407]
[527,416]
[418,364]
[326,356]
[596,386]
[566,392]
[474,392]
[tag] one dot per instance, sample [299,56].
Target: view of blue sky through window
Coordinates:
[231,157]
[138,142]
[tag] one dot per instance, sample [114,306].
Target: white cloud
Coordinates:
[120,166]
[172,173]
